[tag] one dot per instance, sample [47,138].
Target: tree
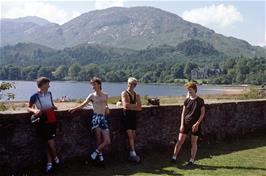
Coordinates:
[187,70]
[88,71]
[61,72]
[4,86]
[45,71]
[177,71]
[73,71]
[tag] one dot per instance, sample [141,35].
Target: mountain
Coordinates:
[134,28]
[161,64]
[28,19]
[30,54]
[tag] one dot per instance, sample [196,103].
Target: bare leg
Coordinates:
[106,139]
[194,147]
[98,135]
[179,143]
[51,150]
[131,137]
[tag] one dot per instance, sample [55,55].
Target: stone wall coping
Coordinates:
[144,106]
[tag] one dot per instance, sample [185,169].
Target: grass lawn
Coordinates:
[246,157]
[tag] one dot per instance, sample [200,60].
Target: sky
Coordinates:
[241,19]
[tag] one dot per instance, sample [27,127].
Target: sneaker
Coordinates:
[189,164]
[101,164]
[91,157]
[57,165]
[100,161]
[173,161]
[135,158]
[49,170]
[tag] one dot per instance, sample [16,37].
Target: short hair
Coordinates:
[96,80]
[192,85]
[132,80]
[41,81]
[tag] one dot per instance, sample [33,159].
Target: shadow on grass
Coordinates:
[209,167]
[157,161]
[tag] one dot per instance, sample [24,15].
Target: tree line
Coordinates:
[233,71]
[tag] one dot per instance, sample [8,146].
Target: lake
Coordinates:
[72,89]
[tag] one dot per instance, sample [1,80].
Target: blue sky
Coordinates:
[240,19]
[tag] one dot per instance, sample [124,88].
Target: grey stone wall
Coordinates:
[157,127]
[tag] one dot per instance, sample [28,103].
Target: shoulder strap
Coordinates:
[37,96]
[131,98]
[51,97]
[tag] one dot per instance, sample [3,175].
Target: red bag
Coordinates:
[51,117]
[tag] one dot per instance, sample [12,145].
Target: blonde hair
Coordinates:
[132,80]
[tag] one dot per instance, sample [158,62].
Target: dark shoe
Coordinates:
[189,164]
[50,171]
[56,165]
[101,164]
[93,161]
[100,161]
[173,161]
[135,159]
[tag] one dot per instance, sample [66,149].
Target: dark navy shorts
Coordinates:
[188,129]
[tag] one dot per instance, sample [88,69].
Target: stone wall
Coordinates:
[157,127]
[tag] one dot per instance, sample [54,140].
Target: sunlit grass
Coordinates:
[246,157]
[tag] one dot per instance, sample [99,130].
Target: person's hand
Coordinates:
[107,110]
[182,129]
[37,112]
[195,127]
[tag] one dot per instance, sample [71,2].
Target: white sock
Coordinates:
[56,160]
[191,160]
[133,153]
[49,166]
[174,157]
[101,157]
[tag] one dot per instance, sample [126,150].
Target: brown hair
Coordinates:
[192,85]
[96,80]
[41,81]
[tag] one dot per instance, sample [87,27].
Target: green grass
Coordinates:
[246,157]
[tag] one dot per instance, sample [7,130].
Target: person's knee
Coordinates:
[107,141]
[180,142]
[130,135]
[51,143]
[194,143]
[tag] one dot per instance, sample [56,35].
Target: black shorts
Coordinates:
[47,131]
[129,120]
[188,129]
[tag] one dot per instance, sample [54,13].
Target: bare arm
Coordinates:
[202,114]
[82,105]
[138,108]
[126,103]
[107,110]
[182,116]
[32,110]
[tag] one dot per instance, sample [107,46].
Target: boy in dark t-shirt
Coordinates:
[192,115]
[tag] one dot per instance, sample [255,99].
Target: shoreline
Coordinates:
[225,95]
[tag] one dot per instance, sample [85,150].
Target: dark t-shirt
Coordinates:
[193,110]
